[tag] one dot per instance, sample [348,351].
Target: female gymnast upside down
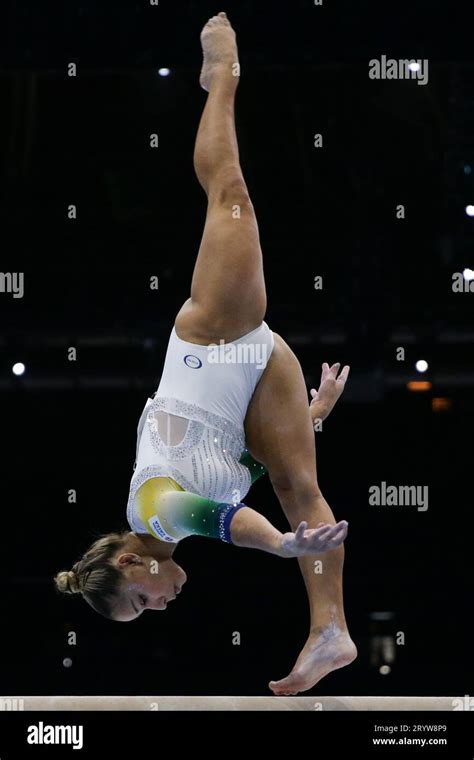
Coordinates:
[213,427]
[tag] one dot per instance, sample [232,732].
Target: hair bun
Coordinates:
[68,582]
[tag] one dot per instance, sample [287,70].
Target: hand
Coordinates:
[330,389]
[313,540]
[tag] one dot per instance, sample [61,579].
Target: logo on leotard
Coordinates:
[160,532]
[192,361]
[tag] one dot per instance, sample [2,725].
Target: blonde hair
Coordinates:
[95,576]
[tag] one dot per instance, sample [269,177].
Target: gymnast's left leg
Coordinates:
[280,435]
[228,297]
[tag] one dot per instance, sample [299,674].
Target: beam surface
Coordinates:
[151,703]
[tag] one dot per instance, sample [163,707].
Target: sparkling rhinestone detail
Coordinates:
[222,517]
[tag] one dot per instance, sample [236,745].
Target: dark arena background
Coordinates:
[330,210]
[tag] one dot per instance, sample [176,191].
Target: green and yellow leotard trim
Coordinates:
[170,513]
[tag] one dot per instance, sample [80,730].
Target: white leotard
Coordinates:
[192,430]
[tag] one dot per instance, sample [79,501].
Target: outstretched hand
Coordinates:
[313,540]
[330,390]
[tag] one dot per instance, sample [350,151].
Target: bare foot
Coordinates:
[322,653]
[219,49]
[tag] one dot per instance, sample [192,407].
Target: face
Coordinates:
[147,585]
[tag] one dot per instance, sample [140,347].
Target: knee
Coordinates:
[230,189]
[302,489]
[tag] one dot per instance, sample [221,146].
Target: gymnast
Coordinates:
[213,427]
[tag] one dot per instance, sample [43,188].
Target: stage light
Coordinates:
[467,169]
[421,365]
[385,615]
[441,404]
[384,670]
[18,368]
[164,72]
[67,662]
[468,274]
[470,210]
[419,385]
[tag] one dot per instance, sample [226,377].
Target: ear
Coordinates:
[129,559]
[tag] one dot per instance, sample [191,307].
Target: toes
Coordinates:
[215,21]
[286,687]
[284,692]
[275,686]
[219,19]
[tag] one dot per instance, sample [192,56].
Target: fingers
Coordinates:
[314,394]
[299,532]
[324,371]
[338,538]
[331,536]
[324,531]
[339,532]
[334,369]
[317,540]
[329,531]
[328,371]
[344,375]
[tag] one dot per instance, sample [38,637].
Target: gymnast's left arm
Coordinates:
[330,390]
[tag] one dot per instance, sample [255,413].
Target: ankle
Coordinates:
[329,629]
[226,72]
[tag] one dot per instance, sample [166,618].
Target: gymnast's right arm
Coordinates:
[253,531]
[178,514]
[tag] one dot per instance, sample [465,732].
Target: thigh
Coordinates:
[278,427]
[228,297]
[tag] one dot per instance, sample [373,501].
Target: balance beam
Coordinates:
[151,703]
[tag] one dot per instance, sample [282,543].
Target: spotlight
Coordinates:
[164,72]
[18,368]
[441,404]
[467,169]
[470,210]
[419,385]
[384,670]
[421,365]
[468,274]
